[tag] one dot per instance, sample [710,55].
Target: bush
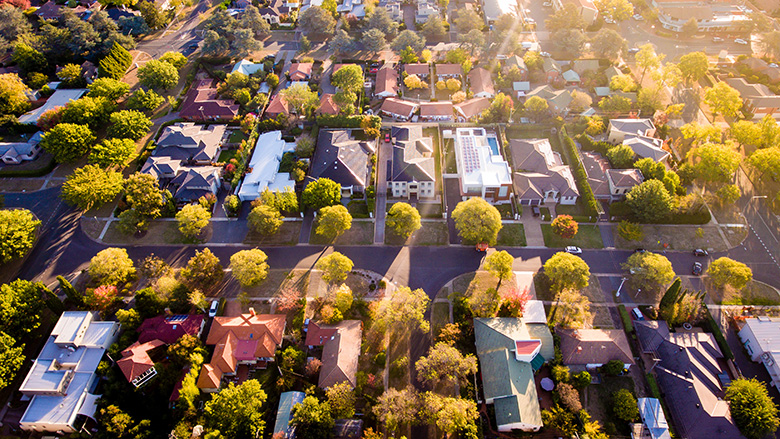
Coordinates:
[582,379]
[342,121]
[624,405]
[561,374]
[614,368]
[380,359]
[570,397]
[628,325]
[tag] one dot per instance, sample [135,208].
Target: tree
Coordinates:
[717,162]
[477,220]
[567,271]
[243,43]
[214,44]
[630,231]
[321,193]
[571,41]
[580,101]
[158,74]
[722,99]
[650,201]
[499,111]
[341,398]
[647,59]
[129,124]
[404,310]
[316,21]
[745,132]
[568,17]
[144,100]
[154,17]
[143,194]
[13,24]
[312,418]
[91,186]
[68,142]
[111,152]
[725,271]
[349,78]
[333,221]
[131,222]
[451,415]
[407,38]
[623,83]
[468,20]
[484,302]
[766,161]
[754,412]
[29,59]
[203,271]
[572,309]
[396,407]
[265,220]
[678,307]
[649,270]
[17,233]
[693,66]
[403,219]
[649,99]
[445,363]
[11,359]
[770,43]
[499,264]
[617,10]
[111,266]
[178,59]
[570,397]
[413,82]
[13,93]
[342,42]
[615,105]
[408,56]
[373,39]
[249,267]
[558,418]
[107,87]
[564,226]
[21,303]
[621,156]
[728,194]
[701,133]
[88,111]
[236,411]
[433,28]
[300,98]
[624,405]
[380,20]
[609,44]
[192,218]
[102,297]
[334,267]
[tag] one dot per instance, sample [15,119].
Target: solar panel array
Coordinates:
[177,318]
[470,154]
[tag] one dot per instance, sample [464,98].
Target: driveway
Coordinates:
[451,199]
[383,163]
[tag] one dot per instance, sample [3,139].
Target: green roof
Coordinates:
[537,362]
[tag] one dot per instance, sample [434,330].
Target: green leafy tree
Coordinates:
[300,98]
[728,194]
[607,43]
[214,44]
[723,99]
[111,266]
[403,219]
[177,59]
[560,419]
[108,88]
[380,20]
[112,152]
[477,220]
[265,220]
[317,21]
[373,39]
[567,271]
[251,19]
[468,20]
[158,74]
[565,226]
[407,38]
[568,17]
[341,398]
[21,303]
[335,267]
[396,408]
[499,264]
[572,310]
[716,162]
[192,218]
[349,78]
[17,233]
[154,17]
[649,271]
[321,193]
[203,271]
[450,415]
[630,231]
[129,124]
[623,82]
[754,412]
[68,142]
[650,201]
[333,221]
[624,406]
[142,100]
[701,133]
[342,42]
[91,186]
[143,194]
[484,302]
[249,267]
[621,156]
[650,169]
[647,59]
[11,359]
[92,111]
[237,411]
[617,10]
[690,27]
[445,363]
[29,59]
[131,222]
[615,105]
[403,310]
[745,132]
[433,28]
[570,41]
[725,271]
[13,94]
[499,111]
[693,66]
[312,418]
[766,161]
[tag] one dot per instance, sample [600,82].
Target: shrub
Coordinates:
[570,397]
[624,405]
[613,367]
[582,379]
[561,374]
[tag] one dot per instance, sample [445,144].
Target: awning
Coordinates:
[537,362]
[89,406]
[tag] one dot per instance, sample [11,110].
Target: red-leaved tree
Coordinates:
[565,226]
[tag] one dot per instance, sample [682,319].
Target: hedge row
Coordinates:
[589,144]
[710,325]
[621,210]
[628,325]
[581,177]
[342,121]
[116,63]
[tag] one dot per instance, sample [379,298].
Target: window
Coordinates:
[502,191]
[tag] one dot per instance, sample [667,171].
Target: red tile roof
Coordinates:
[480,81]
[386,81]
[300,71]
[317,335]
[277,106]
[170,328]
[203,103]
[135,359]
[327,106]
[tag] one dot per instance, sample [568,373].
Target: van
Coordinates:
[214,308]
[637,314]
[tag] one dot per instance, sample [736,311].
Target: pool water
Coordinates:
[493,142]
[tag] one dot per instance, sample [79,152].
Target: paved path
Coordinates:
[382,164]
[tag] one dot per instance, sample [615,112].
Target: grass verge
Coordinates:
[361,233]
[288,234]
[587,237]
[430,233]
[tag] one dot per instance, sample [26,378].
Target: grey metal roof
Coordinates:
[341,158]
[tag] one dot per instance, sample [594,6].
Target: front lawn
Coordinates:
[506,211]
[587,237]
[288,234]
[511,235]
[430,233]
[361,233]
[358,208]
[680,237]
[754,293]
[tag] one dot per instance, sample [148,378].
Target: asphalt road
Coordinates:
[176,40]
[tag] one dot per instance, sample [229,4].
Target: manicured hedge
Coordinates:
[581,177]
[628,325]
[342,121]
[711,326]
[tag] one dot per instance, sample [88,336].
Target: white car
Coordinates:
[609,21]
[214,308]
[530,20]
[638,17]
[741,41]
[717,39]
[547,4]
[573,250]
[545,54]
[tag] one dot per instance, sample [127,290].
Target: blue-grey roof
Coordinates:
[286,402]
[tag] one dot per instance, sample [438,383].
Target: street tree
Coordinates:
[11,358]
[68,142]
[404,310]
[214,44]
[265,220]
[565,226]
[669,75]
[152,15]
[403,219]
[650,201]
[300,97]
[91,186]
[716,162]
[646,59]
[723,99]
[333,221]
[484,303]
[237,411]
[192,218]
[335,267]
[726,271]
[607,43]
[112,152]
[17,233]
[567,271]
[650,271]
[111,266]
[108,88]
[143,194]
[321,193]
[754,412]
[407,38]
[373,39]
[693,66]
[571,41]
[766,161]
[499,264]
[468,20]
[13,93]
[621,156]
[728,194]
[158,74]
[243,43]
[91,111]
[499,111]
[477,221]
[701,133]
[572,309]
[249,267]
[203,271]
[617,10]
[396,408]
[317,21]
[568,17]
[132,222]
[745,132]
[649,99]
[143,100]
[349,78]
[129,124]
[630,231]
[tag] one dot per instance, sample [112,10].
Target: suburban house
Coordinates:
[721,16]
[588,11]
[557,100]
[343,159]
[386,82]
[551,69]
[518,62]
[276,107]
[496,8]
[264,165]
[239,342]
[611,71]
[425,8]
[191,184]
[136,364]
[585,65]
[510,351]
[521,89]
[170,328]
[340,351]
[414,170]
[352,7]
[592,348]
[447,71]
[647,147]
[190,143]
[620,128]
[571,78]
[540,176]
[60,98]
[757,98]
[436,111]
[481,84]
[609,184]
[300,71]
[274,11]
[482,170]
[472,109]
[247,67]
[393,8]
[398,108]
[760,66]
[691,373]
[60,380]
[13,153]
[654,425]
[761,338]
[327,106]
[203,103]
[422,70]
[287,400]
[49,11]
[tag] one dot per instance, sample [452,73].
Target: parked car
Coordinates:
[545,54]
[638,17]
[637,314]
[547,4]
[609,21]
[717,39]
[214,308]
[697,268]
[700,252]
[573,250]
[530,20]
[640,250]
[741,41]
[387,137]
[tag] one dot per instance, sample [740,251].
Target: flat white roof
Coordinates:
[58,99]
[59,410]
[477,165]
[534,312]
[265,166]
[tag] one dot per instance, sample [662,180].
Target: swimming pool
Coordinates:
[493,142]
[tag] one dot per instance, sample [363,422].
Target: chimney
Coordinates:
[252,311]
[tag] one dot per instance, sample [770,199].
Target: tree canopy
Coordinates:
[192,218]
[693,66]
[403,219]
[203,271]
[649,270]
[91,186]
[68,142]
[129,124]
[726,271]
[650,201]
[567,271]
[477,221]
[17,233]
[753,410]
[335,267]
[317,21]
[111,266]
[236,411]
[158,74]
[499,263]
[333,221]
[723,99]
[403,310]
[249,267]
[111,152]
[142,192]
[445,363]
[321,193]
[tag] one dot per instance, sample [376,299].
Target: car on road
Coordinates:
[547,4]
[640,250]
[638,17]
[214,308]
[633,50]
[387,137]
[535,210]
[527,11]
[637,314]
[609,21]
[545,54]
[741,41]
[717,39]
[573,250]
[696,269]
[530,20]
[700,252]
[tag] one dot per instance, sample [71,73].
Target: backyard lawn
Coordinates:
[586,237]
[450,165]
[226,155]
[599,398]
[236,136]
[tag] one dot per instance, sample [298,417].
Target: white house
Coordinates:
[13,153]
[413,172]
[761,337]
[247,67]
[60,98]
[265,167]
[482,170]
[620,128]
